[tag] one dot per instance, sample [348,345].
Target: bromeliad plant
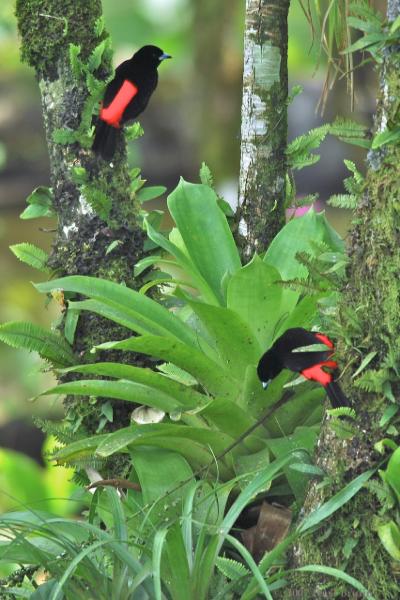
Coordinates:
[158,543]
[220,319]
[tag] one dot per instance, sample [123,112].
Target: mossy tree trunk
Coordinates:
[260,214]
[370,320]
[47,28]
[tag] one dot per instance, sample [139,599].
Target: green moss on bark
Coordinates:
[370,320]
[347,542]
[47,27]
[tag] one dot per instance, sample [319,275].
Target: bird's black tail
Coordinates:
[336,396]
[105,140]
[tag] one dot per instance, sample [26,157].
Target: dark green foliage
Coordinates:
[40,204]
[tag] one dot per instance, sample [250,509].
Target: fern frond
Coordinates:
[61,431]
[298,151]
[98,200]
[350,132]
[177,374]
[348,201]
[342,411]
[35,338]
[231,569]
[31,255]
[96,56]
[373,380]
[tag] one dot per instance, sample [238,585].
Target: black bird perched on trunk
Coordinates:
[126,96]
[283,355]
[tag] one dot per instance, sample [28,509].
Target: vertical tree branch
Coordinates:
[369,319]
[260,213]
[47,29]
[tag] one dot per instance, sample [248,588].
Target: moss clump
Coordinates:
[47,27]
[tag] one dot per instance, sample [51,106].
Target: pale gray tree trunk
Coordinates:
[260,214]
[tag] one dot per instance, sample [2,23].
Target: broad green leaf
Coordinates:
[176,569]
[251,464]
[31,255]
[303,438]
[120,390]
[44,590]
[124,316]
[40,204]
[34,211]
[70,324]
[205,232]
[260,482]
[365,361]
[141,434]
[389,136]
[35,338]
[338,574]
[150,192]
[300,235]
[392,474]
[251,564]
[184,262]
[79,450]
[210,374]
[206,562]
[254,294]
[158,547]
[187,397]
[302,315]
[362,25]
[234,340]
[119,300]
[164,477]
[389,534]
[336,502]
[366,42]
[233,420]
[303,408]
[149,261]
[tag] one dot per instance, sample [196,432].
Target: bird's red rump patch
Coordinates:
[324,339]
[114,111]
[316,372]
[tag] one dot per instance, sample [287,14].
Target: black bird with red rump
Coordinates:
[126,96]
[315,365]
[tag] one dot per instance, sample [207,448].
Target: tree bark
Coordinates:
[261,210]
[47,28]
[369,319]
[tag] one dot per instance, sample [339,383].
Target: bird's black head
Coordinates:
[268,367]
[150,56]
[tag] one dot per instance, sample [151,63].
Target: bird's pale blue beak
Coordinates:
[164,56]
[265,384]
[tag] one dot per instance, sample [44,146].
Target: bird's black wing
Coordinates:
[297,338]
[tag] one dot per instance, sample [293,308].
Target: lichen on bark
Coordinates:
[260,214]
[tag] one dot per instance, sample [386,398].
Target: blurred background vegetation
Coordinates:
[194,116]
